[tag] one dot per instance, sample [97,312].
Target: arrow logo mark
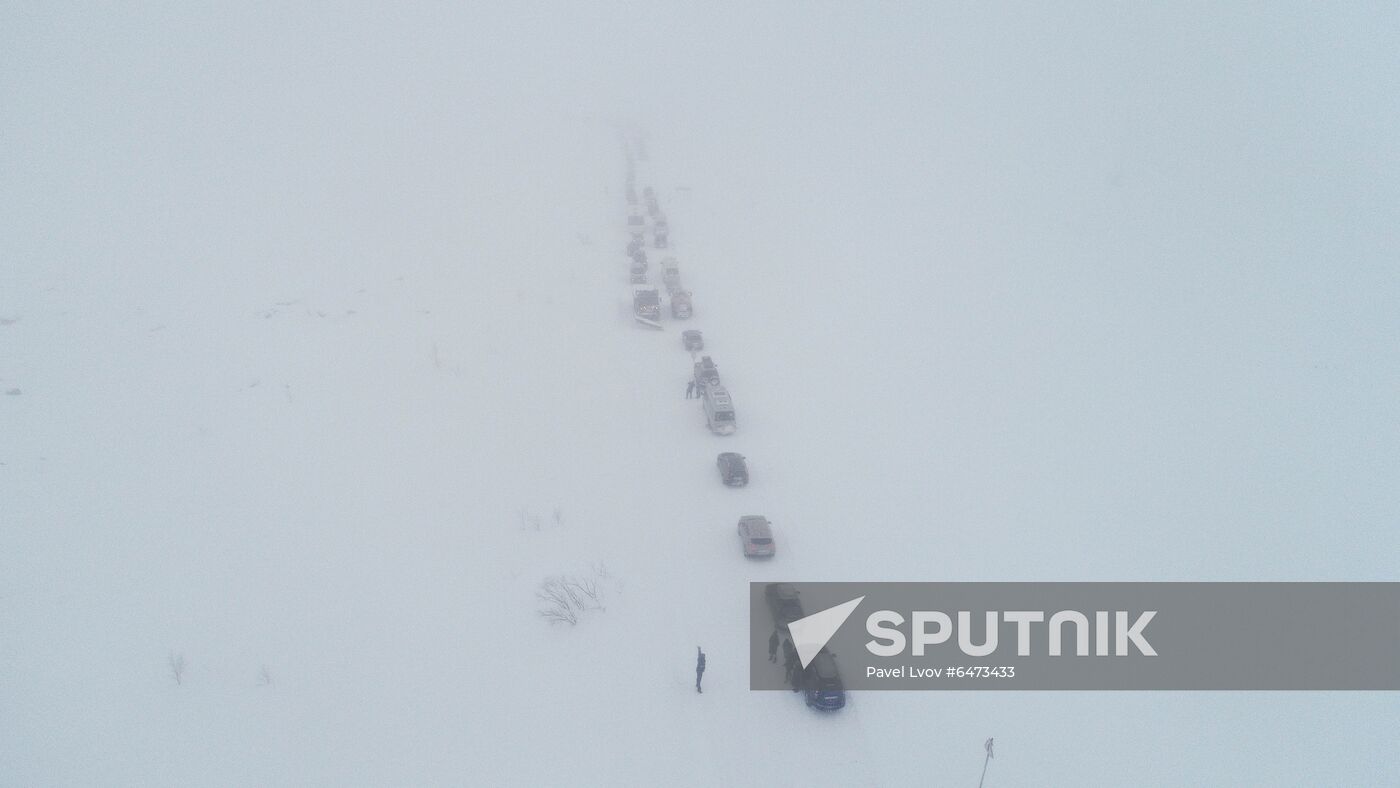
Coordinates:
[810,634]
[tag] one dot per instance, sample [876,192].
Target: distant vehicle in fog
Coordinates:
[692,340]
[671,275]
[681,307]
[733,470]
[706,373]
[646,305]
[756,535]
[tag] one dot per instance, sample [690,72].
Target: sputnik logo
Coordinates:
[810,634]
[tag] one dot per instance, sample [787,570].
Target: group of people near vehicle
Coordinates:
[792,664]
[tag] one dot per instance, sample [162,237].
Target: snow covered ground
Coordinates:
[318,333]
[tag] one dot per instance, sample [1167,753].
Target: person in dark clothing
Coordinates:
[790,661]
[690,390]
[699,667]
[773,647]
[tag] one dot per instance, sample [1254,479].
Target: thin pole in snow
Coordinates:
[985,761]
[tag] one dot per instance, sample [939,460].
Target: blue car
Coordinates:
[822,682]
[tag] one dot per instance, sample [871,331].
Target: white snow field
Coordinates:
[318,360]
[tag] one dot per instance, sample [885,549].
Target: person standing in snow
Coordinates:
[699,667]
[790,661]
[690,390]
[773,647]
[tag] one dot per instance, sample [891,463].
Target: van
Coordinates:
[719,410]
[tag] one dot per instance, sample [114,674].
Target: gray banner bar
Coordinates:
[1203,636]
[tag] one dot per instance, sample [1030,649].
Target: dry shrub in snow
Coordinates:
[565,598]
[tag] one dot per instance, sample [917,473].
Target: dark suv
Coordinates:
[821,682]
[733,471]
[706,373]
[783,601]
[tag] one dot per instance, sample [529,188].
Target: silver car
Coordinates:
[756,535]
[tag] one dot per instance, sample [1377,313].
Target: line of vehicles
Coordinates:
[820,681]
[644,218]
